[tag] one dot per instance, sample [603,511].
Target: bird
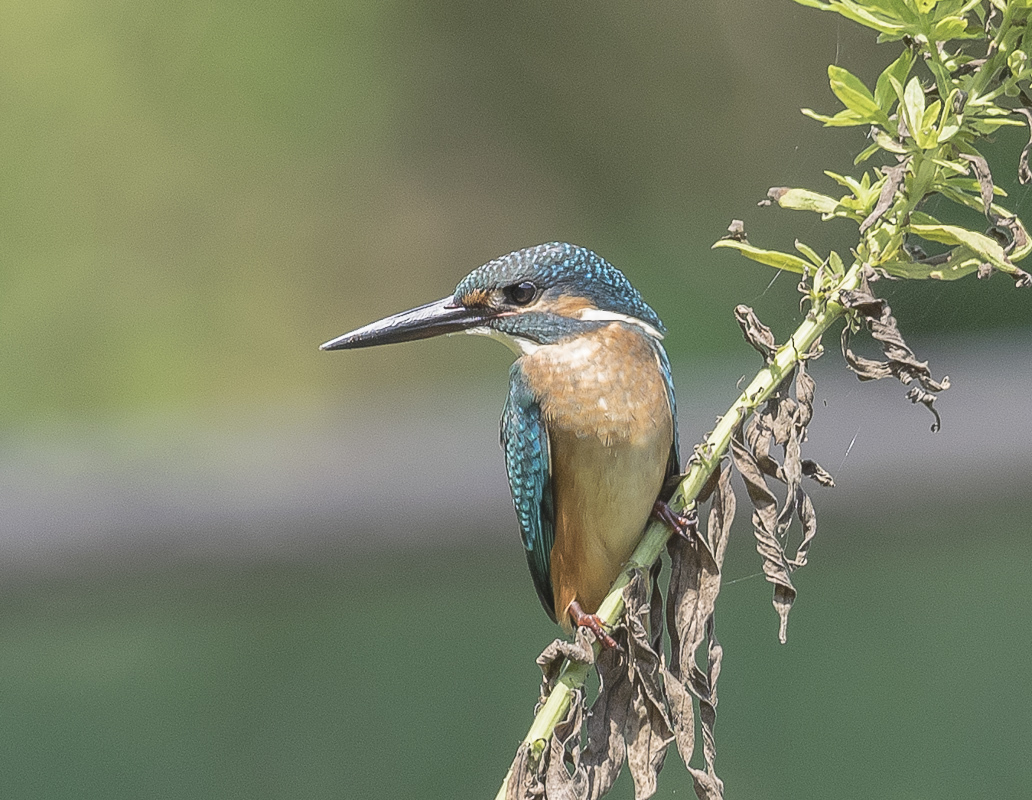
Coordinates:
[589,427]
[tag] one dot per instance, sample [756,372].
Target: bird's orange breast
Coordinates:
[610,431]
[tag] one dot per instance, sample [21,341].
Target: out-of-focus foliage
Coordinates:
[195,195]
[927,129]
[263,680]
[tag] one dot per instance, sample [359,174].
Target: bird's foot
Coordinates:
[593,623]
[685,523]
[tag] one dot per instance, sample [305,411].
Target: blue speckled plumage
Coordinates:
[589,426]
[525,442]
[562,269]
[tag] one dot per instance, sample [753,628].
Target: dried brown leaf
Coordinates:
[894,180]
[765,524]
[1008,231]
[1024,173]
[628,721]
[797,501]
[648,732]
[756,333]
[814,471]
[656,626]
[597,768]
[524,781]
[985,181]
[694,586]
[900,359]
[927,399]
[551,659]
[559,783]
[736,231]
[707,785]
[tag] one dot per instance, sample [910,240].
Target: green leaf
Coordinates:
[921,218]
[858,13]
[972,185]
[961,198]
[953,269]
[968,6]
[953,167]
[884,95]
[843,119]
[772,258]
[835,263]
[992,125]
[914,108]
[962,263]
[989,249]
[809,252]
[866,153]
[805,200]
[947,132]
[848,181]
[884,243]
[952,28]
[1016,61]
[931,115]
[886,142]
[855,96]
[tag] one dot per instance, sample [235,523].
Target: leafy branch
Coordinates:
[925,126]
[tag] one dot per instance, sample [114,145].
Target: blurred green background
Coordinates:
[226,569]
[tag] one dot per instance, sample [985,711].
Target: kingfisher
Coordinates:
[589,428]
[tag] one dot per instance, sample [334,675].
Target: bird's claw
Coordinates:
[594,624]
[685,524]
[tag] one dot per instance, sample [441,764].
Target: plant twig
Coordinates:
[927,132]
[707,457]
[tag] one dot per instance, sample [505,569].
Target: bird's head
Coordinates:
[529,298]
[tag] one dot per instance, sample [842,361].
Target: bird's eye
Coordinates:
[520,293]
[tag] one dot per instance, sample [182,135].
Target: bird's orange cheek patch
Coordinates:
[476,298]
[569,306]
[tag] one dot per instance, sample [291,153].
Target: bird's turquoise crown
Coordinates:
[558,272]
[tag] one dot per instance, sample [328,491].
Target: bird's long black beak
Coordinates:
[433,319]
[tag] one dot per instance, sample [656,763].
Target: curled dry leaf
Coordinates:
[756,333]
[1024,173]
[780,423]
[643,704]
[814,471]
[894,179]
[736,231]
[628,721]
[694,586]
[551,659]
[1005,229]
[985,181]
[764,521]
[900,360]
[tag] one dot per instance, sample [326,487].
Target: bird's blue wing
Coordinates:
[525,442]
[674,464]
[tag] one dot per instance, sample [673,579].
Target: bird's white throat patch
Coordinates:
[517,344]
[522,347]
[597,314]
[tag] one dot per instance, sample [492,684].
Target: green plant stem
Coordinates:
[707,457]
[988,72]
